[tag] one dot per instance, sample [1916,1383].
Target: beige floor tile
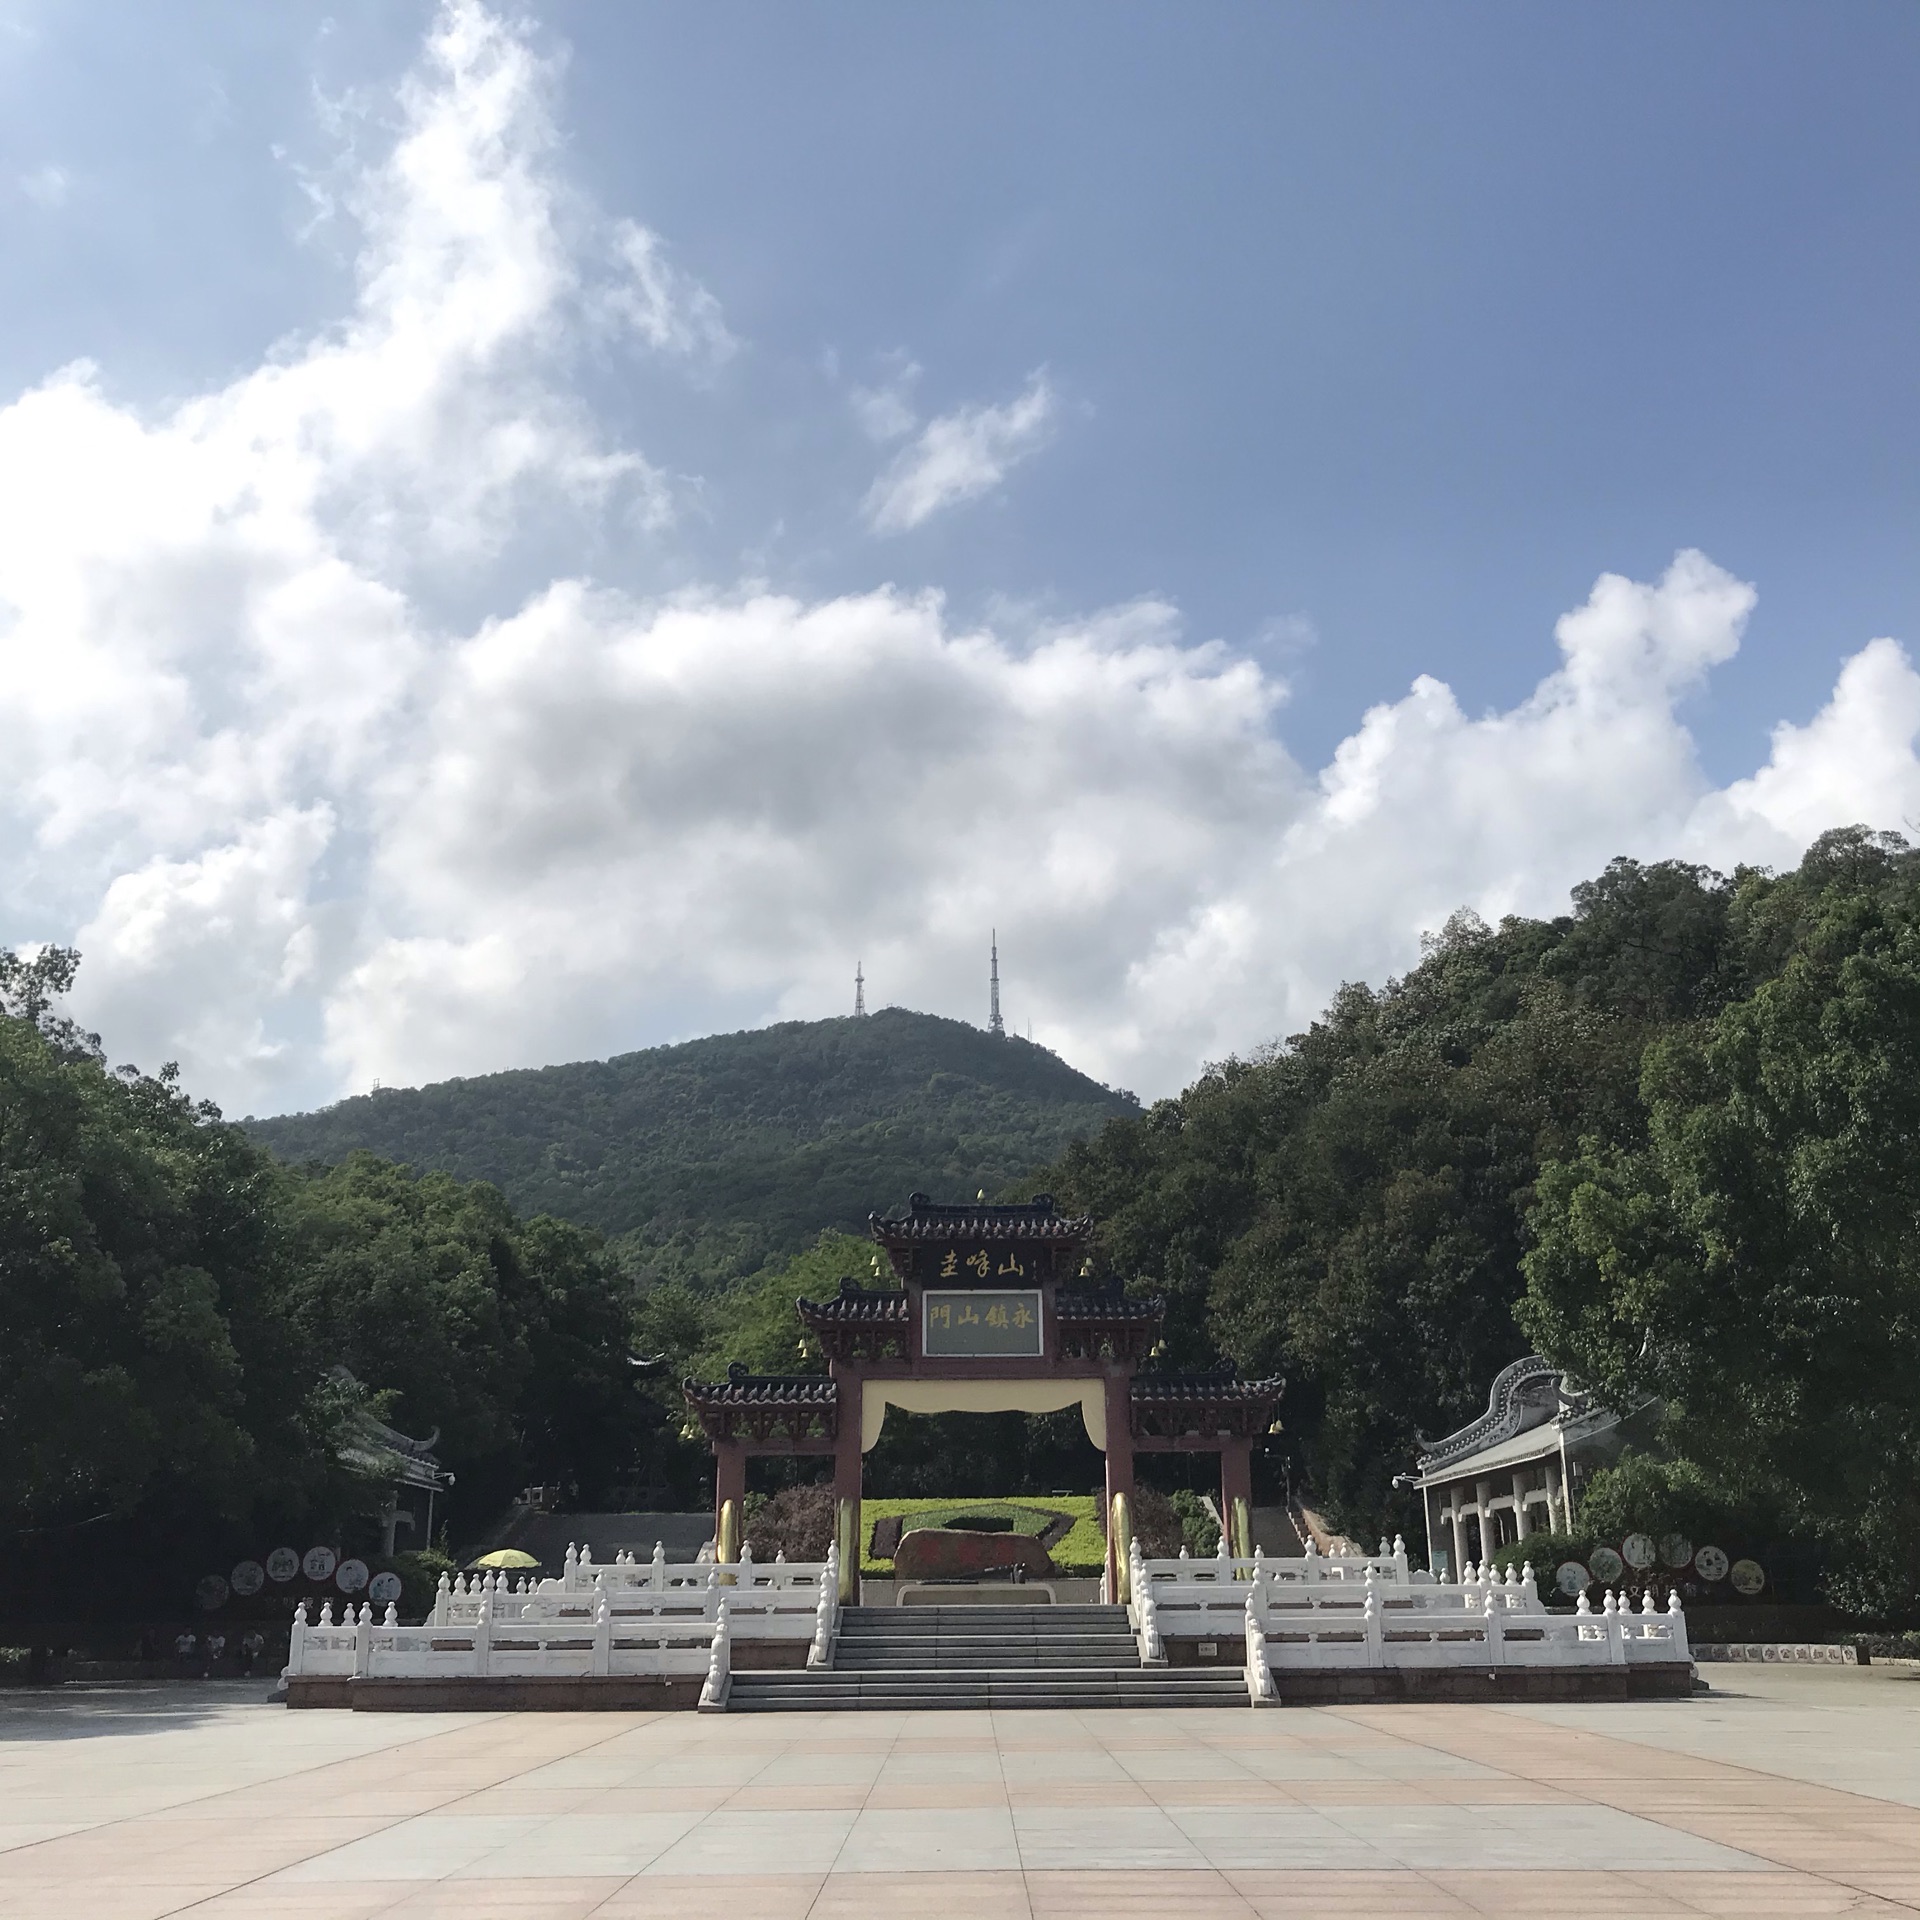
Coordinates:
[989,1895]
[1299,1894]
[569,1899]
[930,1794]
[1096,1895]
[770,1896]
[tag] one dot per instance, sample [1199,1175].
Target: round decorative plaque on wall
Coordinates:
[1710,1564]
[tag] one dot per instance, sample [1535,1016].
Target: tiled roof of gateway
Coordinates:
[1109,1309]
[1204,1389]
[924,1219]
[743,1389]
[857,1305]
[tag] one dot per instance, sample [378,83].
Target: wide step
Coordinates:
[908,1659]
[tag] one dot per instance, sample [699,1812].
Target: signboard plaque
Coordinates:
[980,1324]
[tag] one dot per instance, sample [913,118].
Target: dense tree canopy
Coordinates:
[1667,1138]
[1754,1257]
[175,1306]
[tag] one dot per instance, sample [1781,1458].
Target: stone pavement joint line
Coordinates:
[1781,1793]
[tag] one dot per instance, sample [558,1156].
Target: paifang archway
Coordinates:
[988,1313]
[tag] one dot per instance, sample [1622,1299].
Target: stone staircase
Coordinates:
[914,1658]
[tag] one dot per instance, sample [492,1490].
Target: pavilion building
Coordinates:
[1518,1468]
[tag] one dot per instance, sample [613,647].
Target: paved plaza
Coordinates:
[1779,1792]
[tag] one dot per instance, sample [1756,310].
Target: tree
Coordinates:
[507,1339]
[146,1350]
[1755,1262]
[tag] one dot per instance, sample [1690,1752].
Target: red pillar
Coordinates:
[1119,1394]
[1236,1493]
[849,1466]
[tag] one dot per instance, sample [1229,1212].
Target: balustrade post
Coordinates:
[483,1637]
[392,1616]
[1677,1626]
[442,1602]
[569,1568]
[713,1696]
[1616,1633]
[1370,1624]
[1310,1563]
[362,1642]
[1399,1560]
[657,1567]
[297,1642]
[820,1654]
[1152,1653]
[1496,1618]
[603,1635]
[1260,1687]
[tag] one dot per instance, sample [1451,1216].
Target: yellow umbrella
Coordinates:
[503,1558]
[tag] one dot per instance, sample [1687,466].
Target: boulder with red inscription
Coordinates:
[953,1553]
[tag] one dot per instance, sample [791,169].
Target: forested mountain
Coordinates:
[705,1160]
[1669,1139]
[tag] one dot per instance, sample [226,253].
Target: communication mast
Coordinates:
[994,1023]
[859,992]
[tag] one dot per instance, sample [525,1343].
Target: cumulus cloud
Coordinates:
[662,303]
[959,456]
[312,828]
[47,186]
[885,410]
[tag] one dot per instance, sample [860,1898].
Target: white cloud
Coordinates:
[47,186]
[669,309]
[959,456]
[885,411]
[312,829]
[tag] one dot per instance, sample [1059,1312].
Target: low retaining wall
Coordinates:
[608,1693]
[1776,1653]
[1665,1680]
[511,1693]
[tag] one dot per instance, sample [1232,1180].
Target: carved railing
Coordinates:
[490,1628]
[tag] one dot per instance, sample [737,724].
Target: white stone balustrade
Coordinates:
[1143,1611]
[491,1628]
[1484,1620]
[1309,1569]
[1260,1688]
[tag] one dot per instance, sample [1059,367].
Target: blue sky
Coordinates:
[1359,341]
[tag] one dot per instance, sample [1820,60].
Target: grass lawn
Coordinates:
[1082,1551]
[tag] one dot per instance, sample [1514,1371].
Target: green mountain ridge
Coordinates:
[705,1160]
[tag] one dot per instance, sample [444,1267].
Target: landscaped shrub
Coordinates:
[1545,1552]
[1199,1530]
[797,1521]
[1156,1524]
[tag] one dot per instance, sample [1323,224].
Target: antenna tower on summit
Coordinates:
[859,992]
[994,1023]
